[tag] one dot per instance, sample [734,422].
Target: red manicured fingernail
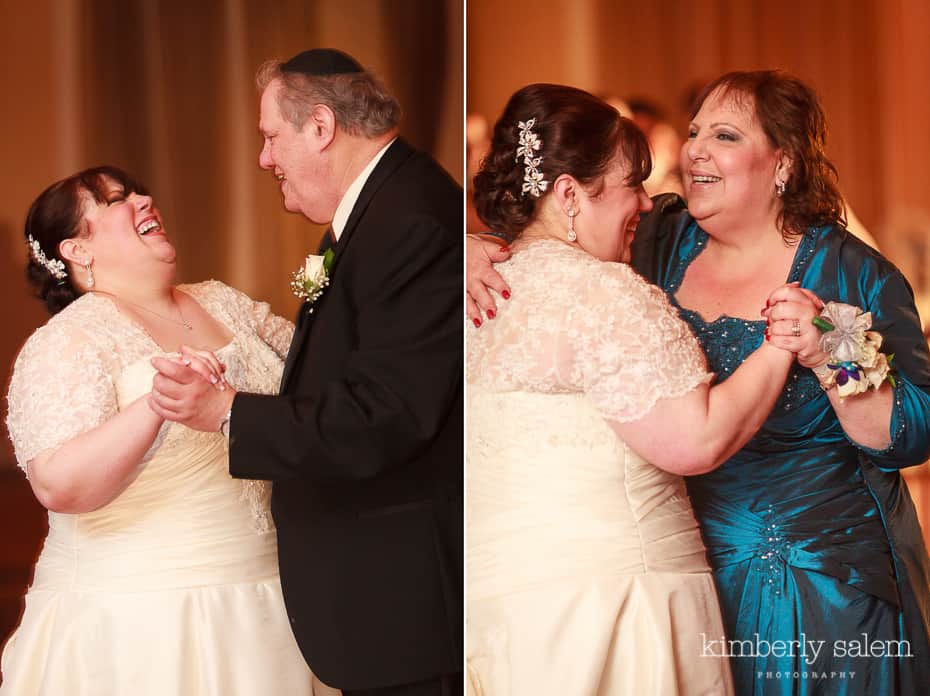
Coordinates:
[506,294]
[476,322]
[504,249]
[490,314]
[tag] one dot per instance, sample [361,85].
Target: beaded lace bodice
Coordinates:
[578,324]
[90,360]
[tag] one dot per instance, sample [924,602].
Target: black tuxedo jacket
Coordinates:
[364,442]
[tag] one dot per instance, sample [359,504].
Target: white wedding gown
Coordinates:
[586,571]
[173,587]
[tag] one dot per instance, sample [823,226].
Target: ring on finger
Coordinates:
[795,327]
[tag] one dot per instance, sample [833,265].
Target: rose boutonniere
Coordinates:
[309,281]
[855,364]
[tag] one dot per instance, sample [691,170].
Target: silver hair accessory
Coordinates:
[780,188]
[533,182]
[571,225]
[54,266]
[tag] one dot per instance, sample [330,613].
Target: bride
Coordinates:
[588,400]
[159,574]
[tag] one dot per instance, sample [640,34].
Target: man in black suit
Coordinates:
[364,441]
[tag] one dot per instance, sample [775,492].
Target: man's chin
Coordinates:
[292,205]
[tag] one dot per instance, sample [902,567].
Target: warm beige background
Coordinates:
[165,89]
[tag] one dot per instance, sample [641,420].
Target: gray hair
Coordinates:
[360,101]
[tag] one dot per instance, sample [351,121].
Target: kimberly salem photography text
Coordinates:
[807,649]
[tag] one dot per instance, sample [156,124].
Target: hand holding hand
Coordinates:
[480,277]
[184,393]
[788,312]
[205,363]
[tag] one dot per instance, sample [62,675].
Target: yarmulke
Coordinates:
[322,61]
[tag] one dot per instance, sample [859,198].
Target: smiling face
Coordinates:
[295,159]
[729,165]
[608,217]
[124,232]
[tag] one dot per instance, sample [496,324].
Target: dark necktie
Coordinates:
[328,241]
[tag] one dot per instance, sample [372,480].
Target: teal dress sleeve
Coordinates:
[881,289]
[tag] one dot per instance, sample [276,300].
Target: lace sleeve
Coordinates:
[274,330]
[626,347]
[62,386]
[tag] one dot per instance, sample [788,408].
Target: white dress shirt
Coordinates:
[341,216]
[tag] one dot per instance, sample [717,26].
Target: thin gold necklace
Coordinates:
[184,322]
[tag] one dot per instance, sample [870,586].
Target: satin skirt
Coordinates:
[586,571]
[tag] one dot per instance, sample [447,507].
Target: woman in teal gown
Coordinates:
[809,534]
[813,537]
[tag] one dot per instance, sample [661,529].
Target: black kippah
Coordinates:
[322,61]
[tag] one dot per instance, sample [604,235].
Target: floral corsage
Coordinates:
[312,279]
[855,363]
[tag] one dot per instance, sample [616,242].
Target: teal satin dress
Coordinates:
[814,539]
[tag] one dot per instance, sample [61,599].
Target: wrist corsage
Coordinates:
[311,280]
[855,363]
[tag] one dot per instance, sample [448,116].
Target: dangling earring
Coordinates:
[571,225]
[780,188]
[90,274]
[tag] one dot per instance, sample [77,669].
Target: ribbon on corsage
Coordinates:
[856,363]
[309,281]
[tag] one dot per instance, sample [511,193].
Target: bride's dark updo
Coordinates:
[58,214]
[580,135]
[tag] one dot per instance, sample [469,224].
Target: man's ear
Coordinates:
[321,126]
[71,250]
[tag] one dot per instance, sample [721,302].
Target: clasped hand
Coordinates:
[788,313]
[191,389]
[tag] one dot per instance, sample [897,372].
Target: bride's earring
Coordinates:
[780,188]
[90,274]
[571,225]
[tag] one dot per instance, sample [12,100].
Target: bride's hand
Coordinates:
[480,276]
[205,364]
[788,313]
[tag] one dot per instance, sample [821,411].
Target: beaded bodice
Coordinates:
[728,341]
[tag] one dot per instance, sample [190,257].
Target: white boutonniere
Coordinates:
[309,282]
